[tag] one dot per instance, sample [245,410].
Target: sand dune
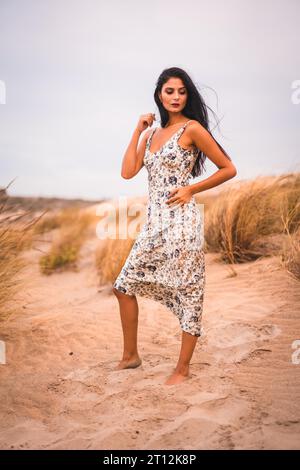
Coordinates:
[59,390]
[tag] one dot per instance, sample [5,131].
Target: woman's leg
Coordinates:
[181,371]
[129,318]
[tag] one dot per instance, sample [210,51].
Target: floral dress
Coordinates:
[166,262]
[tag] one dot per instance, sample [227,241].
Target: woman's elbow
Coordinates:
[233,171]
[126,176]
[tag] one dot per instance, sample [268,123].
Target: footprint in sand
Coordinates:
[240,340]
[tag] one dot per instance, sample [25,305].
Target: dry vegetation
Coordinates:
[20,227]
[249,220]
[74,225]
[112,252]
[16,235]
[254,219]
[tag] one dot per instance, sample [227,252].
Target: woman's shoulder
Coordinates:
[193,123]
[193,127]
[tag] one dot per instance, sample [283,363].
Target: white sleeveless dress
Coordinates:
[166,262]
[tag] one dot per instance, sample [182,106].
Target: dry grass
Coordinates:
[246,221]
[291,257]
[110,257]
[112,253]
[48,222]
[68,216]
[19,230]
[74,228]
[252,219]
[16,235]
[12,242]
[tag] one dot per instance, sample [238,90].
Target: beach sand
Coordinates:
[59,389]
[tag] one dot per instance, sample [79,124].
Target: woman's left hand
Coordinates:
[181,196]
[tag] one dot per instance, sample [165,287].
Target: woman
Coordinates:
[162,264]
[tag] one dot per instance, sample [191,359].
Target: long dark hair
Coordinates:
[195,108]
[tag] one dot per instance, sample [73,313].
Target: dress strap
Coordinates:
[150,138]
[184,126]
[180,131]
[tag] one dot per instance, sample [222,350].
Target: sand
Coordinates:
[59,389]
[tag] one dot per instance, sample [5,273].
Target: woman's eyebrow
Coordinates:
[170,87]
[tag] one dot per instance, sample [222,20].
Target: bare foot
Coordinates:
[129,363]
[178,377]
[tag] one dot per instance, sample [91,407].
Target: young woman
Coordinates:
[164,264]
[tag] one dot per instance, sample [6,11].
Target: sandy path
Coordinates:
[59,391]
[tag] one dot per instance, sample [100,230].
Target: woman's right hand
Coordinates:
[146,120]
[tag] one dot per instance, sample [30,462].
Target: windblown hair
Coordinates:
[195,108]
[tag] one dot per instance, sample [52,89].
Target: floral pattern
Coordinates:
[166,262]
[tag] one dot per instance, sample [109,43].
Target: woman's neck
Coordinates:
[179,120]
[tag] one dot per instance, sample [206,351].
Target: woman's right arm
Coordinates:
[133,158]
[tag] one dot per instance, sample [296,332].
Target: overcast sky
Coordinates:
[75,75]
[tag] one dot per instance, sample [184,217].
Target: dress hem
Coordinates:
[131,292]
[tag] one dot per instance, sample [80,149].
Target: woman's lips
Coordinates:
[176,105]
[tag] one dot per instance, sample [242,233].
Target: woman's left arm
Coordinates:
[205,142]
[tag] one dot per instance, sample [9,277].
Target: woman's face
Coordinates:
[173,91]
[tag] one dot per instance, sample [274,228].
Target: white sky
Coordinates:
[79,73]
